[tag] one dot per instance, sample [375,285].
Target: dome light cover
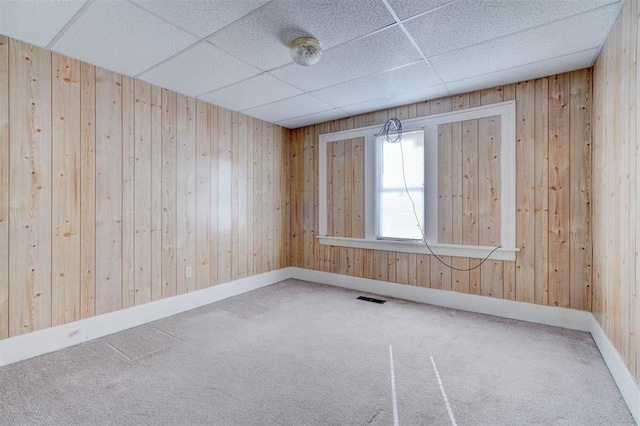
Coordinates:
[306,51]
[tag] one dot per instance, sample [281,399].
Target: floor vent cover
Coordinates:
[371,299]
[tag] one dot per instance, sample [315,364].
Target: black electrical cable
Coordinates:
[393,126]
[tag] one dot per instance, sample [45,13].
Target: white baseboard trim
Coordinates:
[52,339]
[621,375]
[548,315]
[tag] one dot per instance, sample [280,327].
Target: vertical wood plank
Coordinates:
[489,184]
[441,274]
[357,200]
[128,192]
[157,165]
[87,190]
[250,190]
[541,196]
[65,209]
[559,195]
[241,166]
[525,192]
[29,189]
[580,191]
[267,200]
[213,194]
[459,279]
[225,170]
[169,193]
[108,191]
[4,187]
[234,206]
[306,196]
[143,193]
[186,193]
[203,196]
[280,206]
[257,196]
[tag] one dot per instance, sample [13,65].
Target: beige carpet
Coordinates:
[300,353]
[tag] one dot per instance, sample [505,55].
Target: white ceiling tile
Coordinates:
[383,85]
[320,117]
[545,68]
[297,106]
[201,17]
[264,37]
[468,22]
[251,93]
[407,8]
[199,69]
[378,52]
[404,98]
[36,21]
[575,34]
[122,37]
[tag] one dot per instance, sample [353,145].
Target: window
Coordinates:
[459,169]
[398,164]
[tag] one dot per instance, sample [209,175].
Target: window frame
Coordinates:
[379,142]
[429,124]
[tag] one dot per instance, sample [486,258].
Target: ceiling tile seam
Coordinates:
[271,103]
[517,66]
[314,113]
[230,24]
[249,78]
[69,23]
[244,111]
[173,24]
[157,64]
[613,22]
[422,14]
[189,47]
[370,75]
[412,40]
[523,30]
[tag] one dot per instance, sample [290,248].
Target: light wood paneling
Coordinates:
[143,195]
[109,190]
[128,192]
[29,188]
[469,188]
[156,193]
[87,191]
[65,207]
[203,196]
[225,170]
[346,199]
[186,193]
[616,183]
[169,188]
[4,187]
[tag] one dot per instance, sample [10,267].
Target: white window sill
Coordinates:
[456,250]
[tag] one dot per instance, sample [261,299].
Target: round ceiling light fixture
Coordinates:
[306,51]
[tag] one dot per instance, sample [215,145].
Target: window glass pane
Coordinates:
[395,217]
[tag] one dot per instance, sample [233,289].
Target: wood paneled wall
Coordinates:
[553,213]
[110,188]
[616,185]
[345,188]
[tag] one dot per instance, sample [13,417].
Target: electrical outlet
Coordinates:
[187,272]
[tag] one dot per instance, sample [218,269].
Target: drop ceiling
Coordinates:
[377,53]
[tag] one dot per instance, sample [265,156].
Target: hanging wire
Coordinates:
[392,132]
